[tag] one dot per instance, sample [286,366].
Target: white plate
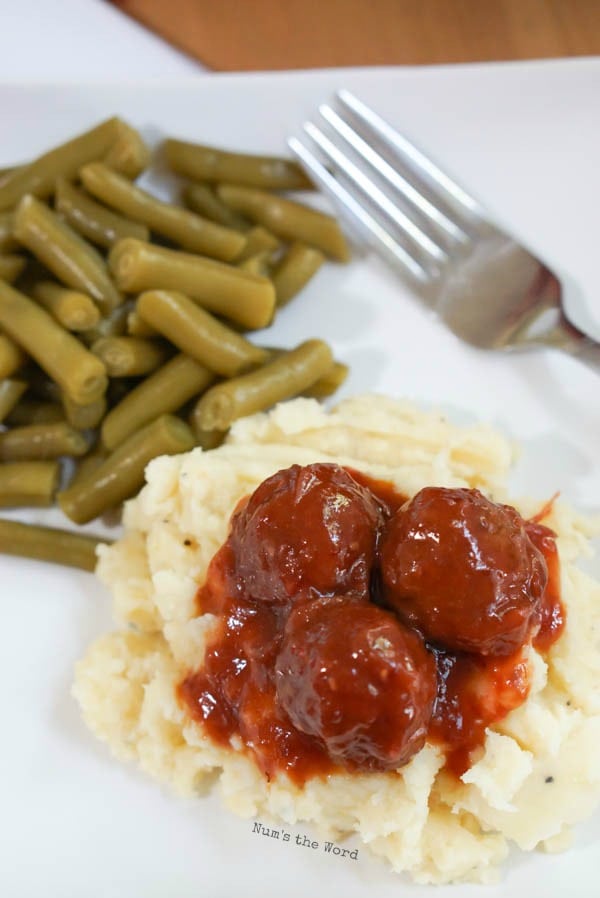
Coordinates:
[524,138]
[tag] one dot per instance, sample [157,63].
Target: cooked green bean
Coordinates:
[288,219]
[128,154]
[243,297]
[35,411]
[257,264]
[129,356]
[71,308]
[258,240]
[96,223]
[286,376]
[10,393]
[195,332]
[11,267]
[202,199]
[41,441]
[138,328]
[84,417]
[122,474]
[208,439]
[12,356]
[165,391]
[7,241]
[87,466]
[113,325]
[183,227]
[30,483]
[39,176]
[326,385]
[49,544]
[79,373]
[64,252]
[295,270]
[6,173]
[202,163]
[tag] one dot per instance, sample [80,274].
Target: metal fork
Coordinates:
[489,289]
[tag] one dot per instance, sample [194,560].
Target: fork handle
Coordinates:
[579,345]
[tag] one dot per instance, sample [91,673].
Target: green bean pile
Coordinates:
[124,318]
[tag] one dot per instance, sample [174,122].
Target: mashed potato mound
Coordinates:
[539,771]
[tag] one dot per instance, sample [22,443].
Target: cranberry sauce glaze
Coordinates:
[354,625]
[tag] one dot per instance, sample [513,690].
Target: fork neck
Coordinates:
[570,339]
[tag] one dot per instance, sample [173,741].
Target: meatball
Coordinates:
[352,675]
[306,531]
[462,570]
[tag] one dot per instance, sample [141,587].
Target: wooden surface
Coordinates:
[235,35]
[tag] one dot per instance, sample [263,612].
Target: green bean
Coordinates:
[257,264]
[183,227]
[6,173]
[71,308]
[11,267]
[41,441]
[7,241]
[286,376]
[49,544]
[128,154]
[138,328]
[64,252]
[79,373]
[39,176]
[202,199]
[113,325]
[84,417]
[94,222]
[12,356]
[288,219]
[165,391]
[35,411]
[197,333]
[245,298]
[326,385]
[258,240]
[202,163]
[10,393]
[122,474]
[30,483]
[295,270]
[87,466]
[129,356]
[208,439]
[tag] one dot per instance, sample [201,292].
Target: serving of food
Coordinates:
[331,613]
[339,615]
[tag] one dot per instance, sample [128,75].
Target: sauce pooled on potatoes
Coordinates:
[354,625]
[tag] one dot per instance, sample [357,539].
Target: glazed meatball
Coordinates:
[352,675]
[463,571]
[306,531]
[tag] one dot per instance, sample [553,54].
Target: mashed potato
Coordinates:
[539,771]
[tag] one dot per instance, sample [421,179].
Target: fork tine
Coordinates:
[373,230]
[408,152]
[393,177]
[375,194]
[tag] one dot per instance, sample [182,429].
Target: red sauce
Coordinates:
[553,615]
[235,694]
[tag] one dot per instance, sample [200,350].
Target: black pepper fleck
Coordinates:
[187,542]
[549,779]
